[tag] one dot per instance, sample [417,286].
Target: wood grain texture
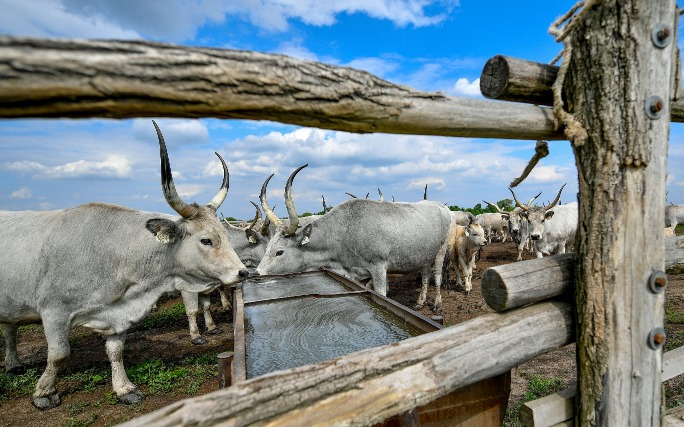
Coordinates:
[370,386]
[123,79]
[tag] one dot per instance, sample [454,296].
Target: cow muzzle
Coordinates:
[535,236]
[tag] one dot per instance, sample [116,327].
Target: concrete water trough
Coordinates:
[285,321]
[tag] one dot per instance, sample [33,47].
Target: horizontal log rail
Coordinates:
[519,80]
[560,406]
[367,387]
[125,79]
[514,285]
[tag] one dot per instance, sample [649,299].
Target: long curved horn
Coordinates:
[556,199]
[289,204]
[351,195]
[498,209]
[269,213]
[517,202]
[257,218]
[170,194]
[533,199]
[223,191]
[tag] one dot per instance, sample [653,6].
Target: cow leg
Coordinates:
[463,272]
[439,265]
[225,301]
[191,303]
[205,299]
[425,282]
[12,363]
[379,278]
[125,390]
[57,337]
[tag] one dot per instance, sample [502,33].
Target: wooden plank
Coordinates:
[123,79]
[560,407]
[673,363]
[674,417]
[370,386]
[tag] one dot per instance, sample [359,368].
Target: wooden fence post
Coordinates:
[618,87]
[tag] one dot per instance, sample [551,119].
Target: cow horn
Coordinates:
[425,193]
[223,191]
[289,204]
[498,209]
[556,199]
[170,194]
[517,202]
[264,205]
[533,199]
[351,195]
[257,218]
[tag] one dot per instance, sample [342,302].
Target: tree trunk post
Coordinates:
[618,86]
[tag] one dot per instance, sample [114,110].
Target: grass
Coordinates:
[537,387]
[12,386]
[164,318]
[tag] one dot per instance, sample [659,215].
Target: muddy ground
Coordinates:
[87,399]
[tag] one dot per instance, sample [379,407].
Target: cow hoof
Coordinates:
[215,331]
[44,403]
[437,310]
[131,398]
[16,370]
[467,293]
[418,307]
[199,341]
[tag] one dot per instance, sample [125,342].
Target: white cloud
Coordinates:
[188,191]
[180,20]
[176,132]
[21,193]
[113,167]
[465,88]
[40,18]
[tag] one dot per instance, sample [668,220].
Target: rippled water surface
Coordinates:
[295,332]
[255,290]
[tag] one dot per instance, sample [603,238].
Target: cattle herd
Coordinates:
[105,266]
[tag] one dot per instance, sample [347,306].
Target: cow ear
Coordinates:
[165,231]
[548,215]
[467,234]
[306,232]
[524,214]
[505,216]
[251,236]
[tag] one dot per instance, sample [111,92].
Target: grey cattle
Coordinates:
[493,224]
[674,215]
[462,217]
[250,246]
[363,240]
[103,266]
[519,229]
[552,227]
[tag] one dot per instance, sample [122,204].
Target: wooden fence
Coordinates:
[82,78]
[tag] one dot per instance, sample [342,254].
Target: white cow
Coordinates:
[103,267]
[464,242]
[552,227]
[674,215]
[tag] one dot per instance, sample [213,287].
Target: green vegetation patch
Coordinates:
[170,316]
[537,387]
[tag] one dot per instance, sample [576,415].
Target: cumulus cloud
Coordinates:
[21,193]
[113,167]
[180,20]
[463,87]
[176,132]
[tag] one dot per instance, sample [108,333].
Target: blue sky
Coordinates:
[431,46]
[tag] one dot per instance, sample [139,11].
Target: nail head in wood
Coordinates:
[654,107]
[656,339]
[657,282]
[661,35]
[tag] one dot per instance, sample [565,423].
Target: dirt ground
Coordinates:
[95,406]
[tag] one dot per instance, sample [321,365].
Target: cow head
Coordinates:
[536,215]
[288,250]
[202,254]
[475,234]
